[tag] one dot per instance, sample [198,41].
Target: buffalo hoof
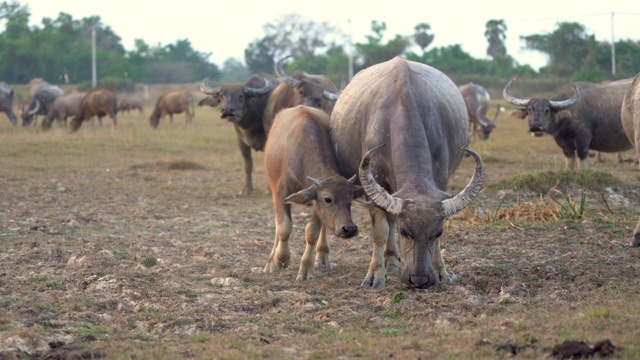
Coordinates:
[305,277]
[373,282]
[321,265]
[450,277]
[392,269]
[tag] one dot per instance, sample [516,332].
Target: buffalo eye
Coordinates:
[546,111]
[327,200]
[404,233]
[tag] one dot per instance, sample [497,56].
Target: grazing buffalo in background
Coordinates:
[580,117]
[6,102]
[63,107]
[130,104]
[174,102]
[408,123]
[244,105]
[301,168]
[630,115]
[477,98]
[41,103]
[253,111]
[100,103]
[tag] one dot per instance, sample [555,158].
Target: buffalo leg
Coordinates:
[280,256]
[376,275]
[312,231]
[438,264]
[391,257]
[322,251]
[245,151]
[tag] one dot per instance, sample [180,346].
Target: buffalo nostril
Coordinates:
[419,281]
[350,230]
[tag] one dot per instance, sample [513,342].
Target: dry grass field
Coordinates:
[134,244]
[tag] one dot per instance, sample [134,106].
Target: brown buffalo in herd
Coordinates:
[174,102]
[301,168]
[100,103]
[130,104]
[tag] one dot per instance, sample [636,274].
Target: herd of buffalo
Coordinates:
[389,142]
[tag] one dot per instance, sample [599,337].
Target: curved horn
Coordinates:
[495,118]
[463,198]
[34,111]
[374,191]
[479,116]
[258,91]
[206,89]
[560,105]
[283,75]
[329,95]
[314,181]
[352,180]
[511,99]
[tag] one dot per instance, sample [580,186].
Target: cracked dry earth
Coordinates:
[135,244]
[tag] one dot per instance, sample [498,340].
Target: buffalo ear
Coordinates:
[303,197]
[518,114]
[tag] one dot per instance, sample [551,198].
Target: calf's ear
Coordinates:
[518,114]
[303,197]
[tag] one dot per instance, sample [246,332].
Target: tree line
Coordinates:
[60,49]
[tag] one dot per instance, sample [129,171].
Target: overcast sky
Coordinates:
[225,28]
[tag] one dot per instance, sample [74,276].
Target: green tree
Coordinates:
[567,47]
[292,34]
[374,51]
[496,34]
[422,36]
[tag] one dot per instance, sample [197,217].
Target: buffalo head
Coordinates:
[310,89]
[539,112]
[331,199]
[234,97]
[420,220]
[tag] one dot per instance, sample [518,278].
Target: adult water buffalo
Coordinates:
[417,115]
[580,117]
[6,102]
[41,103]
[296,155]
[174,102]
[244,105]
[630,115]
[100,103]
[63,107]
[477,98]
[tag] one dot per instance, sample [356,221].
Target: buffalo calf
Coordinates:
[297,153]
[174,102]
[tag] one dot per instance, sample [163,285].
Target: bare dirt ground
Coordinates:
[135,245]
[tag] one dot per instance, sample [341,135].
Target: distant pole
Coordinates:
[613,49]
[94,76]
[350,53]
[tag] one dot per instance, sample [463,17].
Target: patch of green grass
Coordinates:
[149,261]
[543,181]
[599,313]
[397,297]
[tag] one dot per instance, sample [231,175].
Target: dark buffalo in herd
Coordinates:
[41,103]
[477,98]
[402,127]
[580,117]
[63,107]
[252,106]
[100,103]
[6,102]
[129,104]
[174,102]
[301,168]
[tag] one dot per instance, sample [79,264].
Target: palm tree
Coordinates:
[496,33]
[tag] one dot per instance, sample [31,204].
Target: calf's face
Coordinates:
[539,115]
[331,199]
